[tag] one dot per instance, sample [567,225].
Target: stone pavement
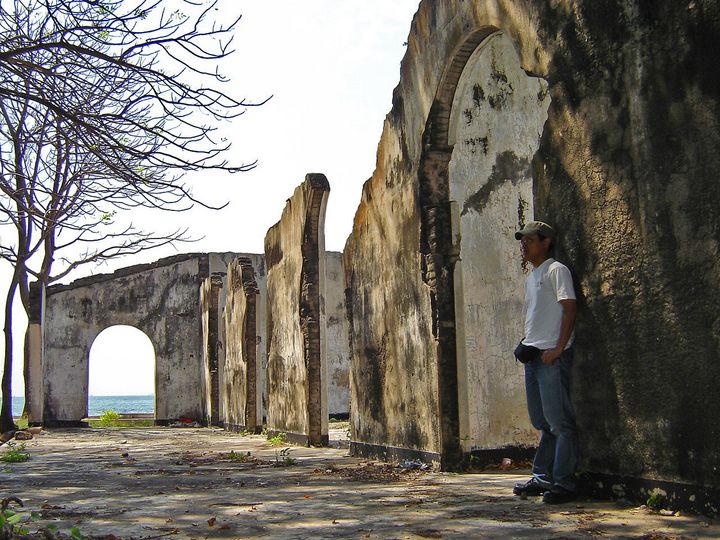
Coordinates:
[201,483]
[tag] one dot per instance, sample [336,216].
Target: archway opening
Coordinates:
[496,122]
[122,374]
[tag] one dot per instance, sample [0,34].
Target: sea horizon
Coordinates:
[97,405]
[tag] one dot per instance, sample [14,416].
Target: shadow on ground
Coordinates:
[203,483]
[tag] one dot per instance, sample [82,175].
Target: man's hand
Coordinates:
[550,355]
[566,327]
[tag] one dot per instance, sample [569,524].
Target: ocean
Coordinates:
[97,405]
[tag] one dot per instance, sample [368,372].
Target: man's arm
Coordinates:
[566,327]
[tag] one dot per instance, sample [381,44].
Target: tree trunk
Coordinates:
[6,417]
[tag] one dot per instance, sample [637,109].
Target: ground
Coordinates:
[208,483]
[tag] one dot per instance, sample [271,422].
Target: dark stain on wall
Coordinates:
[508,168]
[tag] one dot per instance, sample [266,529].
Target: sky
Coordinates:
[330,67]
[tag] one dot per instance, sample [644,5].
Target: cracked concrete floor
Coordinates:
[165,482]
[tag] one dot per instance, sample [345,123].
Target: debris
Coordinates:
[211,521]
[375,472]
[413,465]
[7,500]
[23,435]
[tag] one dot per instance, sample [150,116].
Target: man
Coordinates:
[549,322]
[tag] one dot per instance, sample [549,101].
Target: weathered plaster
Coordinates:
[160,299]
[295,258]
[338,347]
[243,368]
[497,118]
[209,299]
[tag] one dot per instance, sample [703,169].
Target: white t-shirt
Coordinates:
[545,287]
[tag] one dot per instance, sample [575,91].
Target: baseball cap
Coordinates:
[535,227]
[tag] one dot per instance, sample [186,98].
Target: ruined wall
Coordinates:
[243,368]
[627,169]
[209,300]
[295,259]
[218,267]
[338,347]
[160,299]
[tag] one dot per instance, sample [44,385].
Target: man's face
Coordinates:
[534,250]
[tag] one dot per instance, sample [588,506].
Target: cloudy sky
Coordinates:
[331,66]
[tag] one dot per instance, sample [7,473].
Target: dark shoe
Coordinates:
[558,495]
[531,487]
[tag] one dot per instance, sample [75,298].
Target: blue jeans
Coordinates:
[548,395]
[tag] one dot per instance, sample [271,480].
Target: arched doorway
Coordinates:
[121,372]
[475,187]
[497,117]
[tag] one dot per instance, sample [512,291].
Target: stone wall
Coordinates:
[295,258]
[160,299]
[620,147]
[243,369]
[218,268]
[209,300]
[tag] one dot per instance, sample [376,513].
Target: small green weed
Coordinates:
[77,535]
[15,453]
[109,418]
[238,457]
[657,500]
[53,531]
[277,439]
[284,459]
[112,418]
[11,522]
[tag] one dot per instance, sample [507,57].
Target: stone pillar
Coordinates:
[295,257]
[338,347]
[34,349]
[241,393]
[209,300]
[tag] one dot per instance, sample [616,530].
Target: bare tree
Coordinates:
[104,105]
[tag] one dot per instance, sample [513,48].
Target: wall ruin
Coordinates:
[209,301]
[160,299]
[295,258]
[244,359]
[620,151]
